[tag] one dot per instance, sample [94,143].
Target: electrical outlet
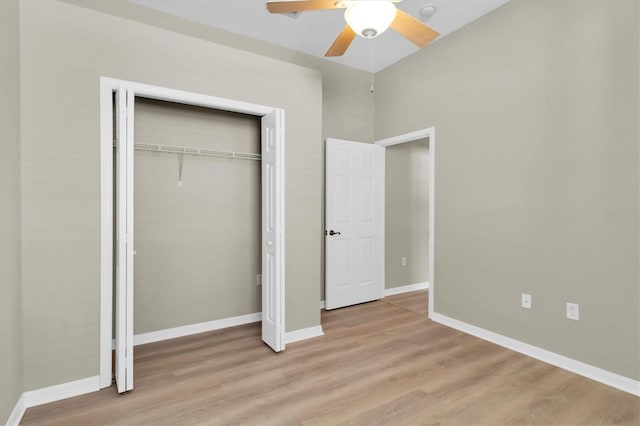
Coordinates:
[258,279]
[526,301]
[573,311]
[403,261]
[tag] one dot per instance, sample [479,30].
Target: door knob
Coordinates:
[332,232]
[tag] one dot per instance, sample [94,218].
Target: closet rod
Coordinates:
[197,151]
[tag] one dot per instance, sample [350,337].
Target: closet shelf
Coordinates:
[197,151]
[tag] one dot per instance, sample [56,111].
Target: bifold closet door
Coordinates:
[124,240]
[272,232]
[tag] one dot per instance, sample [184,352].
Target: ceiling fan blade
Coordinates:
[413,30]
[299,6]
[342,42]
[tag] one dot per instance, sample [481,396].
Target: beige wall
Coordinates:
[65,49]
[407,213]
[10,302]
[536,112]
[197,245]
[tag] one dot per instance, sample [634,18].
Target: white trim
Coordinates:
[62,391]
[52,394]
[405,289]
[396,290]
[106,229]
[383,215]
[129,144]
[188,330]
[614,380]
[18,412]
[188,98]
[107,87]
[203,327]
[430,135]
[407,137]
[280,144]
[303,334]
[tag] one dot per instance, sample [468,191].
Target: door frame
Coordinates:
[108,86]
[430,134]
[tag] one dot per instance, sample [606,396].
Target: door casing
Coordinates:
[108,86]
[430,135]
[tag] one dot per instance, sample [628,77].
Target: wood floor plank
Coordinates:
[382,362]
[415,301]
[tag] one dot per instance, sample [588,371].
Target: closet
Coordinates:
[192,219]
[197,215]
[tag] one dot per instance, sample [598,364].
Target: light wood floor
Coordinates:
[379,363]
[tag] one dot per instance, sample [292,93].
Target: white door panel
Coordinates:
[355,214]
[272,232]
[124,238]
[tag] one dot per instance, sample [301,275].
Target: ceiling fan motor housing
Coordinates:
[370,18]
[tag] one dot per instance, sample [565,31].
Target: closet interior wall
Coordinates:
[197,225]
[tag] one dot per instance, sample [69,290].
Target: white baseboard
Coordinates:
[589,371]
[187,330]
[17,413]
[51,394]
[405,289]
[203,327]
[303,334]
[62,391]
[396,290]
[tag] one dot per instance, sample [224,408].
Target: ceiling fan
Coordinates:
[367,18]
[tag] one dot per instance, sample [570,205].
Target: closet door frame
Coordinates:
[109,86]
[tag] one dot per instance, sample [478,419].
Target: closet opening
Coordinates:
[197,196]
[192,219]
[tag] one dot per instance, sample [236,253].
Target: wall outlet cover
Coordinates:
[526,301]
[258,279]
[573,311]
[403,261]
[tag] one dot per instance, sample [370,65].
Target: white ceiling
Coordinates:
[313,32]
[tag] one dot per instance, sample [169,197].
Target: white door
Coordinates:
[354,241]
[273,231]
[124,240]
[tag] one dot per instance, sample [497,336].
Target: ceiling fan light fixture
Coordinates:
[370,18]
